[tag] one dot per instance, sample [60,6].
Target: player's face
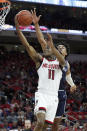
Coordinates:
[47,52]
[62,50]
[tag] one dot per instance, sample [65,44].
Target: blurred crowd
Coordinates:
[18,82]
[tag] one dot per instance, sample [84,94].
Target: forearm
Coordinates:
[31,51]
[40,36]
[70,80]
[22,37]
[38,32]
[58,56]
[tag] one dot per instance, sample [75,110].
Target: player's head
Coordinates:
[63,49]
[47,52]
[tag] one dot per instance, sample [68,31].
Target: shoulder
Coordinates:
[40,59]
[66,67]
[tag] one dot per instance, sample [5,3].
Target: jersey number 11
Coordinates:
[50,74]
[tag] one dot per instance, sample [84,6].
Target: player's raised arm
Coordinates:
[31,51]
[38,31]
[55,51]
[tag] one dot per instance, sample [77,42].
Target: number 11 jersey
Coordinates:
[50,75]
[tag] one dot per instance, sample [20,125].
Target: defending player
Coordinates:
[66,74]
[49,72]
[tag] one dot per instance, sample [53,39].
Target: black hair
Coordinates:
[66,45]
[67,48]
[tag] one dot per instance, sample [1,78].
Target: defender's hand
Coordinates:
[73,88]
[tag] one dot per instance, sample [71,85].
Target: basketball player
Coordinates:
[66,74]
[49,72]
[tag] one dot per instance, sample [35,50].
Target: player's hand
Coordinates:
[35,17]
[73,88]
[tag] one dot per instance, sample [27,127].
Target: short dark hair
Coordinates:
[67,48]
[66,45]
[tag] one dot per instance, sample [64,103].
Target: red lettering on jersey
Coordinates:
[45,65]
[50,66]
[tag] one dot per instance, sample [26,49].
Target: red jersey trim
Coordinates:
[42,108]
[49,122]
[42,58]
[50,60]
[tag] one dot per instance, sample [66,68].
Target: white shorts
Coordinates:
[48,103]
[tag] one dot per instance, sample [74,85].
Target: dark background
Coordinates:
[53,16]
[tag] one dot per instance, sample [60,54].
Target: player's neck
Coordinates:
[51,58]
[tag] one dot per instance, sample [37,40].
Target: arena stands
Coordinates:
[18,82]
[18,77]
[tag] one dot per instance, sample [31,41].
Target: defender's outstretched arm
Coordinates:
[55,51]
[39,34]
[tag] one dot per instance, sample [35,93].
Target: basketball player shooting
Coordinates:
[49,72]
[66,74]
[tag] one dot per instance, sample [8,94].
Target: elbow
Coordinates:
[62,62]
[41,40]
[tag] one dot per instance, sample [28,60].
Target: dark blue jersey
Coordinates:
[63,79]
[62,93]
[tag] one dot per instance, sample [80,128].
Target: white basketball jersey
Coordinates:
[50,75]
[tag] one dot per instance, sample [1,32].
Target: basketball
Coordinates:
[24,18]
